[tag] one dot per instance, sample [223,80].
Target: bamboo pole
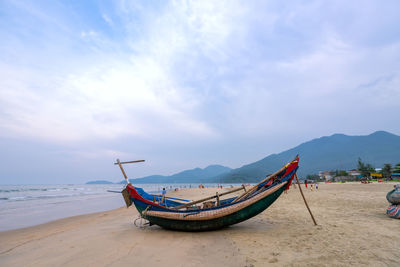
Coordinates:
[254,188]
[204,199]
[301,191]
[122,169]
[125,162]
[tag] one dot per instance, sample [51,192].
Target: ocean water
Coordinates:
[28,205]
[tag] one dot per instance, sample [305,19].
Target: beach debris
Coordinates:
[393,211]
[393,197]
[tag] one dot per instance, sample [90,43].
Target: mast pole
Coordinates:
[122,169]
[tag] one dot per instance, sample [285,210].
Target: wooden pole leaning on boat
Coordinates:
[122,169]
[254,188]
[301,191]
[204,199]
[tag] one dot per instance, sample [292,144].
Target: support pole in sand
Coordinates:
[305,201]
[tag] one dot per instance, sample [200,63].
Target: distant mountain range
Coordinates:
[99,182]
[335,152]
[196,175]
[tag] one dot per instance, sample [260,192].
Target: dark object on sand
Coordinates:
[172,213]
[393,211]
[393,197]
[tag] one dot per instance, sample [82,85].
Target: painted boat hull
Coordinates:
[216,217]
[217,223]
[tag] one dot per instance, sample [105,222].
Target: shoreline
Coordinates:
[353,229]
[60,221]
[180,193]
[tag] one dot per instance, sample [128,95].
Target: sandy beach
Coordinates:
[353,230]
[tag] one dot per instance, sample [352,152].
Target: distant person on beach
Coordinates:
[316,186]
[305,183]
[164,192]
[311,187]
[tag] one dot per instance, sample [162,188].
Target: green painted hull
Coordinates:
[213,224]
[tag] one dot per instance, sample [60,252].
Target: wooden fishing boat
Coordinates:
[185,215]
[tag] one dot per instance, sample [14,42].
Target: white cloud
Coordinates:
[135,94]
[108,101]
[198,69]
[187,83]
[107,19]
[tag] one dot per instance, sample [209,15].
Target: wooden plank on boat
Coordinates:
[205,199]
[254,188]
[127,199]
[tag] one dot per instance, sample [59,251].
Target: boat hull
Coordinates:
[256,200]
[217,223]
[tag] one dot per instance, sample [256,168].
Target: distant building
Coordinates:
[325,175]
[354,173]
[344,178]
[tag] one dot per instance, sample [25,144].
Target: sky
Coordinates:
[186,84]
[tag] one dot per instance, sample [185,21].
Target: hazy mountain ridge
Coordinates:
[99,182]
[188,176]
[337,151]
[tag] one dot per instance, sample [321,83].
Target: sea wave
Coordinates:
[22,190]
[13,193]
[25,198]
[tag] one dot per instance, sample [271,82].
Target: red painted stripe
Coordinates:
[133,193]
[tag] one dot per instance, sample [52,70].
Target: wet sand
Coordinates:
[353,230]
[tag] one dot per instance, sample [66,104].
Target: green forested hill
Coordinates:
[333,152]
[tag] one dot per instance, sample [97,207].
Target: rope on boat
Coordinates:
[142,220]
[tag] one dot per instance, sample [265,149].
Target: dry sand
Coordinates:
[353,230]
